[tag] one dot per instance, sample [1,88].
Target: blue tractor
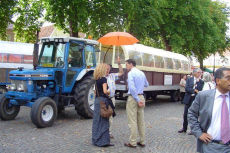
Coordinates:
[62,76]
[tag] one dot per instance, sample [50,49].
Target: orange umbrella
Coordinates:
[118,38]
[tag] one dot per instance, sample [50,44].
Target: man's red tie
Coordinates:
[225,125]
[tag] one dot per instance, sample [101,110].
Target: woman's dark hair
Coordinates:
[219,73]
[131,61]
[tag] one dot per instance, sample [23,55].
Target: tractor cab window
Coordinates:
[89,58]
[52,55]
[75,55]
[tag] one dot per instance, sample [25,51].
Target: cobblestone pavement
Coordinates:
[70,133]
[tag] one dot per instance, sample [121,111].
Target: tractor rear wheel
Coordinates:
[43,112]
[85,97]
[7,110]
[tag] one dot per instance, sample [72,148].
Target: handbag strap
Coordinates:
[97,93]
[96,89]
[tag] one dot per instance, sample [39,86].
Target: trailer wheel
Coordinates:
[7,110]
[175,95]
[60,109]
[43,112]
[85,97]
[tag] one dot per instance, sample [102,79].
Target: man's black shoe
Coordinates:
[182,131]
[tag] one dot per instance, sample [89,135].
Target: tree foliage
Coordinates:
[184,26]
[107,16]
[28,21]
[69,15]
[6,13]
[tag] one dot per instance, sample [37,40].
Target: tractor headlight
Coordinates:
[17,85]
[11,87]
[21,85]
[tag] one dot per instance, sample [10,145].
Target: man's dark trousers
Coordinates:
[186,107]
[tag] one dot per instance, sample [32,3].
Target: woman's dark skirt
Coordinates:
[100,128]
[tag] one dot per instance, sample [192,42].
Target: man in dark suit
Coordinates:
[209,116]
[193,85]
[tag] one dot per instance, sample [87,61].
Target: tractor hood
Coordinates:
[38,74]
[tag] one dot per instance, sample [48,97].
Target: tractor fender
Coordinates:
[83,73]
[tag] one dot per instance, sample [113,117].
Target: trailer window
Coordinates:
[15,58]
[106,54]
[148,60]
[119,52]
[3,58]
[28,59]
[136,56]
[185,65]
[169,63]
[159,61]
[177,64]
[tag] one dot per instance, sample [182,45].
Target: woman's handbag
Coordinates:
[105,112]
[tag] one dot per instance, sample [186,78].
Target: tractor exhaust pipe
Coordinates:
[35,56]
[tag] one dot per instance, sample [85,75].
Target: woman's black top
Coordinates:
[99,87]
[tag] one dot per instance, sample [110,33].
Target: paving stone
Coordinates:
[71,133]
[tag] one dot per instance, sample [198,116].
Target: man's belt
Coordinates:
[137,94]
[220,142]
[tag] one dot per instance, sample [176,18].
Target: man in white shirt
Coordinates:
[209,116]
[111,81]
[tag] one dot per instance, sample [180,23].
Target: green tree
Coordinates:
[70,15]
[213,38]
[6,13]
[26,14]
[28,22]
[184,26]
[107,16]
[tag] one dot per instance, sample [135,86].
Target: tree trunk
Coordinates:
[166,42]
[72,31]
[201,63]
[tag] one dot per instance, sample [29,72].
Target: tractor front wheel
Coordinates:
[7,110]
[43,112]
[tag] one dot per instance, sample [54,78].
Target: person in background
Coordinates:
[208,84]
[182,87]
[135,104]
[100,127]
[111,80]
[193,85]
[209,117]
